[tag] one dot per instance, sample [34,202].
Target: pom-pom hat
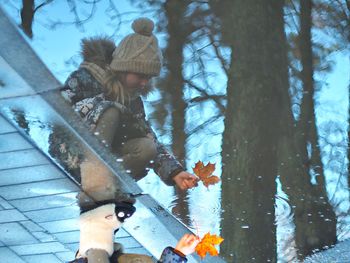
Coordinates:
[138,52]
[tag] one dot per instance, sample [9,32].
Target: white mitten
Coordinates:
[97,228]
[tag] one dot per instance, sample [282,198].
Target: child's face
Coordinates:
[136,81]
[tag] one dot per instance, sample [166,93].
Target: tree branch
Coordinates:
[203,125]
[215,98]
[224,63]
[27,15]
[42,4]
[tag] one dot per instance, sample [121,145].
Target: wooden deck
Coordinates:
[38,209]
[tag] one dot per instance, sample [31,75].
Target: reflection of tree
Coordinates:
[331,20]
[172,88]
[300,154]
[27,16]
[21,120]
[173,82]
[333,143]
[181,207]
[75,8]
[258,73]
[187,24]
[313,216]
[66,150]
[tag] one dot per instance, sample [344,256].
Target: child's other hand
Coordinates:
[185,180]
[187,244]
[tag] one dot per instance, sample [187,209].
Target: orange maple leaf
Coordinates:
[204,173]
[207,245]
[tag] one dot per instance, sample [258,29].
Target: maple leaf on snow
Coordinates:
[205,173]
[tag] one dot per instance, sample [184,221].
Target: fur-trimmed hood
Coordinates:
[99,51]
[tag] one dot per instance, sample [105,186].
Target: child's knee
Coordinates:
[137,155]
[149,149]
[143,149]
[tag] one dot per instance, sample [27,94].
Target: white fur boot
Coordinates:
[97,228]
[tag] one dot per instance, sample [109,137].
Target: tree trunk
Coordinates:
[314,218]
[173,86]
[310,214]
[181,208]
[258,73]
[174,82]
[27,16]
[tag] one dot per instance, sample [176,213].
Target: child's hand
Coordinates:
[185,180]
[187,244]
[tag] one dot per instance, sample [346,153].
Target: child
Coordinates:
[106,91]
[97,228]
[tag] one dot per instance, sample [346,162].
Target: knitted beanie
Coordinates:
[138,52]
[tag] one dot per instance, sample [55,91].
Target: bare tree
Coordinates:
[75,8]
[186,24]
[27,15]
[314,217]
[257,74]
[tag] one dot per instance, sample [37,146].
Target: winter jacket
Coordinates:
[172,256]
[169,255]
[85,93]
